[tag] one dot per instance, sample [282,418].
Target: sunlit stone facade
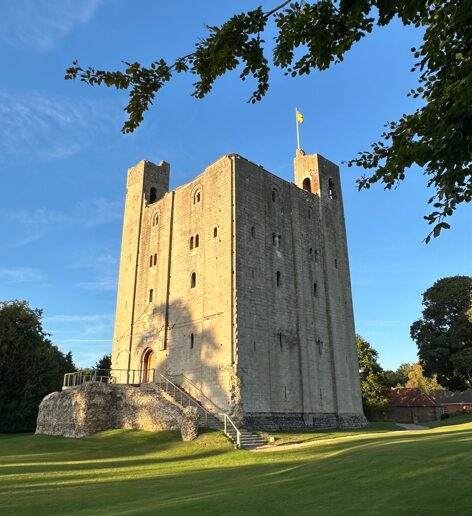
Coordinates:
[239,282]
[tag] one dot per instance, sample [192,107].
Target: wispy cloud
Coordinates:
[20,275]
[47,128]
[100,284]
[37,223]
[41,24]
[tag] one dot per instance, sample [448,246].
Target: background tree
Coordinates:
[398,378]
[416,378]
[373,380]
[437,136]
[444,333]
[30,366]
[103,366]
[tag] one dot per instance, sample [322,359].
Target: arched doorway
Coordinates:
[149,363]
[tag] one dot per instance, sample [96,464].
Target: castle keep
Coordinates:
[238,282]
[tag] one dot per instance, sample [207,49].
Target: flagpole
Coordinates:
[298,130]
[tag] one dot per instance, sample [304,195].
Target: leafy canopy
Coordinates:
[30,366]
[444,333]
[436,137]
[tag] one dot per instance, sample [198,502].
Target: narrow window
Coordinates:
[196,197]
[285,392]
[150,261]
[319,343]
[191,243]
[192,340]
[279,240]
[311,251]
[155,220]
[254,344]
[253,231]
[316,255]
[193,280]
[215,232]
[278,278]
[280,339]
[315,289]
[274,239]
[151,295]
[335,263]
[309,213]
[197,240]
[307,184]
[152,195]
[274,195]
[331,190]
[155,259]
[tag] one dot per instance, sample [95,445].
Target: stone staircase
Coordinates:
[247,440]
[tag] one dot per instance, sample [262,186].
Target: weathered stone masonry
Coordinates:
[239,281]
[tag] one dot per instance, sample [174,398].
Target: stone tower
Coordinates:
[238,282]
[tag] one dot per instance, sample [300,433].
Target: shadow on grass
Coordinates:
[405,473]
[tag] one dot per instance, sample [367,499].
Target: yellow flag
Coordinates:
[299,117]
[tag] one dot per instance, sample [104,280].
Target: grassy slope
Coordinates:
[130,472]
[302,437]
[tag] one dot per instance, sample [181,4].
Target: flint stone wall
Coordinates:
[94,407]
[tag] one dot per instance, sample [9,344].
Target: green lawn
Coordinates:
[129,472]
[302,437]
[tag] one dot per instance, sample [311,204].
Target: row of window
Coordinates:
[306,185]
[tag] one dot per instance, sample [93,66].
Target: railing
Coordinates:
[226,420]
[178,393]
[139,376]
[119,376]
[190,387]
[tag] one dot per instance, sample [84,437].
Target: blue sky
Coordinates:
[63,160]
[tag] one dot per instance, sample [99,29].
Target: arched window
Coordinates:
[331,189]
[155,219]
[197,197]
[191,242]
[155,259]
[275,194]
[152,195]
[307,184]
[193,280]
[197,240]
[215,232]
[278,278]
[192,340]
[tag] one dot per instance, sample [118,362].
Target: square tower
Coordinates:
[237,283]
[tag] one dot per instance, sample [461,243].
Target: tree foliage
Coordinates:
[416,378]
[30,366]
[436,137]
[398,378]
[374,385]
[444,333]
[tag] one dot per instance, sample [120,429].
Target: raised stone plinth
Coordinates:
[94,407]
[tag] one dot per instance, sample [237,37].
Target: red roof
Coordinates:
[410,397]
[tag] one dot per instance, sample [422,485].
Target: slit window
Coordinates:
[155,259]
[278,278]
[150,261]
[307,184]
[275,194]
[280,340]
[191,243]
[335,263]
[253,231]
[151,295]
[197,240]
[331,189]
[196,197]
[315,289]
[192,340]
[152,195]
[316,255]
[215,232]
[155,219]
[193,280]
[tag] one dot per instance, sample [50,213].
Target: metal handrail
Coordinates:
[119,376]
[226,420]
[170,385]
[200,393]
